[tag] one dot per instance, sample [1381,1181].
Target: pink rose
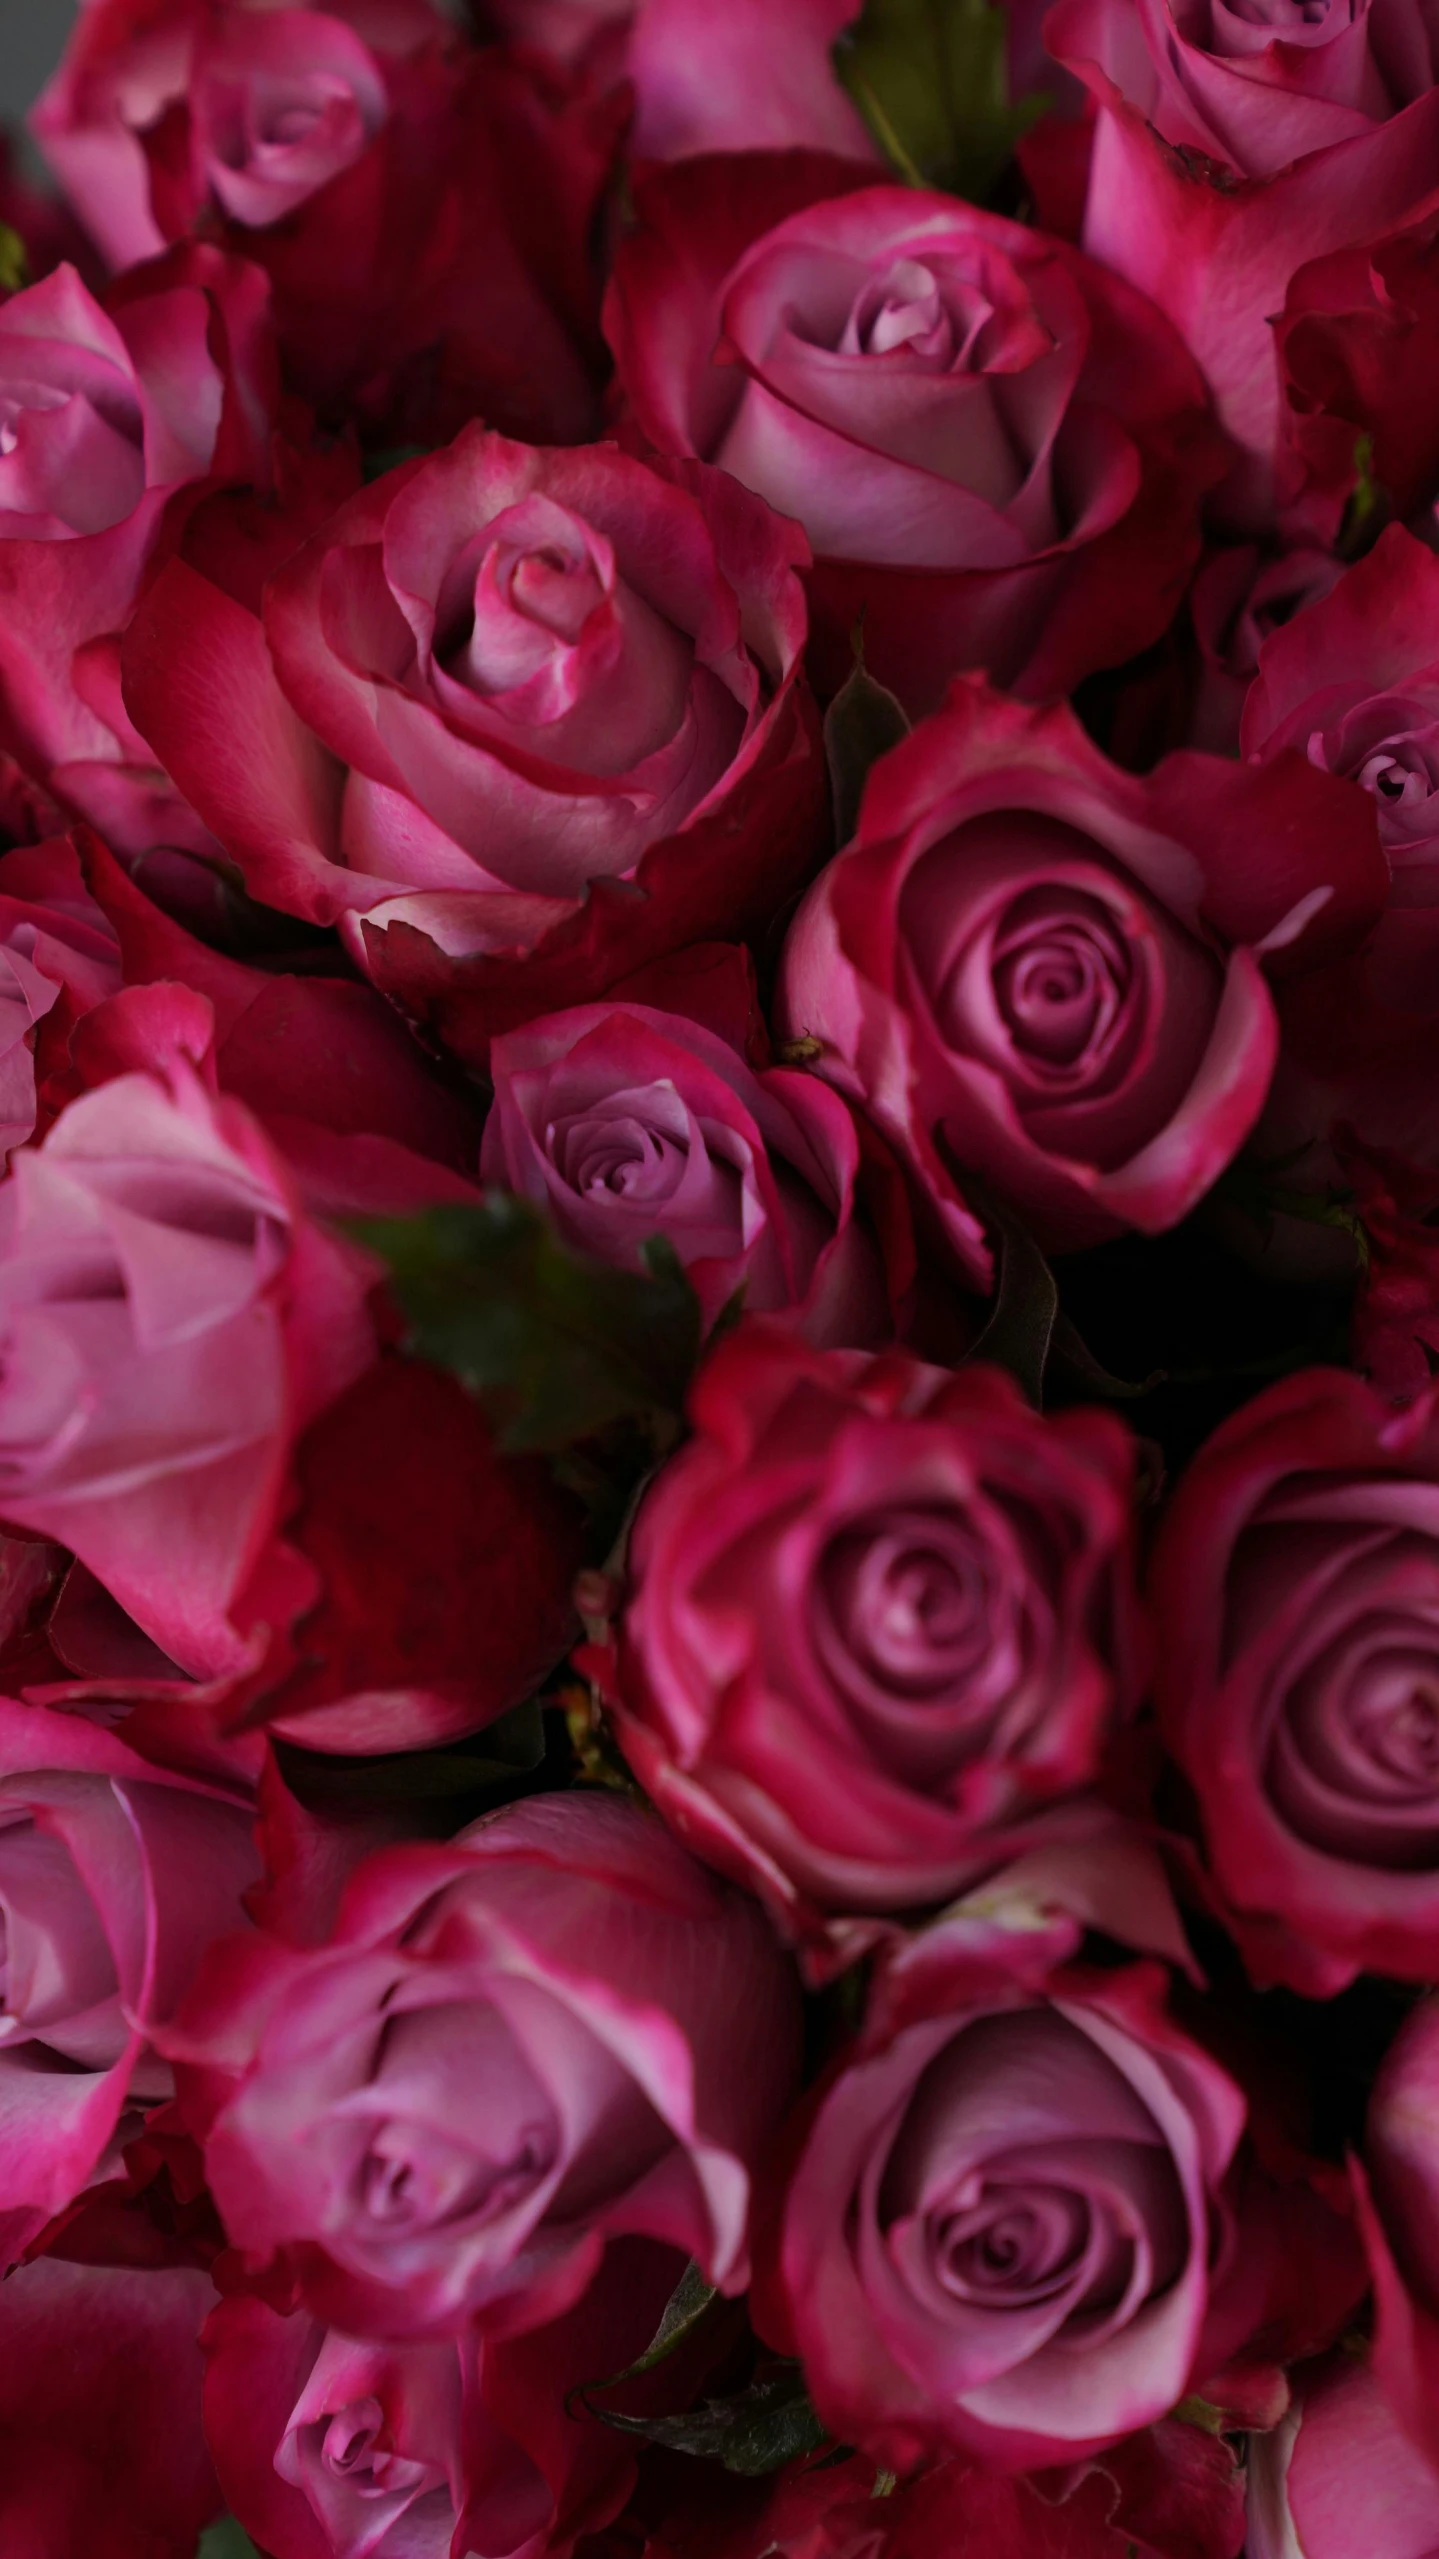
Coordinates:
[170,1322]
[1297,1579]
[328,2443]
[521,719]
[1397,2194]
[1230,150]
[108,417]
[623,1122]
[554,2031]
[100,2439]
[1239,599]
[879,1616]
[1034,965]
[997,451]
[1335,2479]
[115,1876]
[58,959]
[1355,344]
[1001,2229]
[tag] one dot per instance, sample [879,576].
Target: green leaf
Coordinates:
[555,1346]
[691,2301]
[759,2431]
[862,723]
[226,2541]
[1026,1300]
[930,78]
[14,261]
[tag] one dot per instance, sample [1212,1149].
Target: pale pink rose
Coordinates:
[170,1322]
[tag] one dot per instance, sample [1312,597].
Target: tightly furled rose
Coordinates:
[1036,966]
[999,2234]
[1297,1578]
[554,2031]
[115,1878]
[170,1321]
[880,1615]
[996,449]
[624,1122]
[522,719]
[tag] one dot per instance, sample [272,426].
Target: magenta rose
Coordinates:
[879,1616]
[520,719]
[1397,2193]
[110,418]
[555,2031]
[1001,2230]
[997,450]
[1297,1578]
[1241,596]
[1232,147]
[1336,2478]
[58,959]
[115,1877]
[1355,344]
[1033,965]
[328,2443]
[623,1122]
[170,1321]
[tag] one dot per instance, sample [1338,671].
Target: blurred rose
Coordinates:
[879,1615]
[996,450]
[1335,2479]
[1000,2230]
[554,2031]
[115,1877]
[170,1321]
[1036,966]
[624,1122]
[1297,1580]
[522,718]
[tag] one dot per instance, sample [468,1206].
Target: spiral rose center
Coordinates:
[910,1603]
[1063,980]
[353,2450]
[903,310]
[1015,2244]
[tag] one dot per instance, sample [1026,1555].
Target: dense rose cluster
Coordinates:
[719,1282]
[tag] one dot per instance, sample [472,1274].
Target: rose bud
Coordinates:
[501,692]
[170,1321]
[1335,2479]
[1034,965]
[115,1876]
[996,449]
[880,1616]
[999,2233]
[1297,1579]
[555,2030]
[623,1122]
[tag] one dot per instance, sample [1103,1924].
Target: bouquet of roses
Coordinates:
[719,1282]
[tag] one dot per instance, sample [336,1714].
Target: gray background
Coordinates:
[32,36]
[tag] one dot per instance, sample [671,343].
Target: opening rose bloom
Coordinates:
[170,1321]
[1297,1574]
[327,2443]
[1034,965]
[996,449]
[879,1615]
[106,416]
[115,1877]
[1329,112]
[509,707]
[554,2031]
[1336,2478]
[998,2236]
[624,1122]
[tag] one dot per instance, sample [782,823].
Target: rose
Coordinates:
[1327,122]
[58,958]
[108,417]
[1297,1577]
[879,1615]
[114,1878]
[325,2442]
[170,1320]
[1335,2479]
[554,679]
[1396,1307]
[1398,2204]
[1353,683]
[125,62]
[100,2432]
[554,2031]
[1034,965]
[1355,350]
[1240,597]
[997,451]
[757,78]
[999,2232]
[623,1122]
